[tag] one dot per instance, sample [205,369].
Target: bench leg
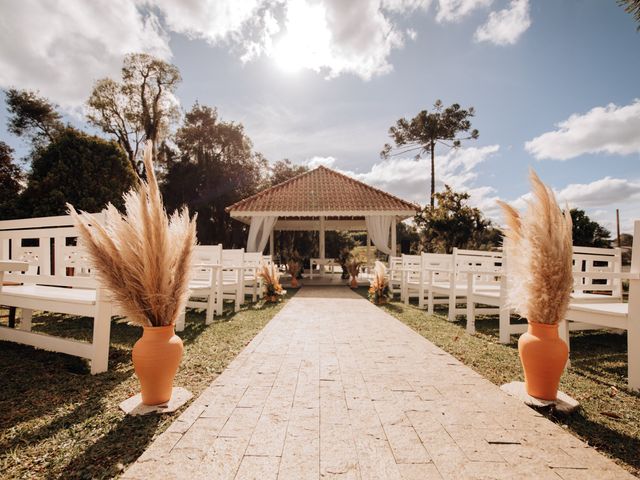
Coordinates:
[180,321]
[239,298]
[471,316]
[211,306]
[563,332]
[101,337]
[633,353]
[452,307]
[25,319]
[505,325]
[254,294]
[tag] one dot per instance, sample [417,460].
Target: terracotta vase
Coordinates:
[543,355]
[354,282]
[156,357]
[294,282]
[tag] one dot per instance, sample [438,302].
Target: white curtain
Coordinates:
[259,232]
[379,230]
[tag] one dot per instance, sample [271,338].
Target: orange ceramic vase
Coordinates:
[543,355]
[156,357]
[354,282]
[294,282]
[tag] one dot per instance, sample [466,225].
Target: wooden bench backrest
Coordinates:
[481,260]
[49,245]
[590,259]
[441,261]
[253,259]
[233,257]
[411,265]
[205,254]
[394,264]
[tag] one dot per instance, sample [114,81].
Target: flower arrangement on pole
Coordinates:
[143,257]
[273,290]
[538,250]
[293,268]
[379,292]
[353,267]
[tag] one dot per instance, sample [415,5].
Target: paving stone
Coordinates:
[333,387]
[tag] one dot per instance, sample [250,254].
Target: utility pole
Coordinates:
[618,224]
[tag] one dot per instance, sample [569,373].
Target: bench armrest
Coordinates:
[13,266]
[611,275]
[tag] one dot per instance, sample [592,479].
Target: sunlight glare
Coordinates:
[306,43]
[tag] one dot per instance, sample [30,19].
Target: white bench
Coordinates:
[322,264]
[50,285]
[450,280]
[395,275]
[420,272]
[252,281]
[205,285]
[624,316]
[592,284]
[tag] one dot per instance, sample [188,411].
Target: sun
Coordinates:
[307,39]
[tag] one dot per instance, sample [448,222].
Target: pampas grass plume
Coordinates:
[142,257]
[538,249]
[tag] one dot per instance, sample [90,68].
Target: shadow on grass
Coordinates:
[617,444]
[120,446]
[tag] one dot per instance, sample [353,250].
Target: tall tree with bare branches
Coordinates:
[632,7]
[427,130]
[140,107]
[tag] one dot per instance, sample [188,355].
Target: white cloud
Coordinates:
[61,48]
[611,129]
[211,20]
[599,199]
[599,193]
[314,162]
[504,27]
[455,10]
[410,179]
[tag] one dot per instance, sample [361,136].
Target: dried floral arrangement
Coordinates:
[353,266]
[272,288]
[379,291]
[293,268]
[538,248]
[143,257]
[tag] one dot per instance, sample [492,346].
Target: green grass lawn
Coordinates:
[609,417]
[58,421]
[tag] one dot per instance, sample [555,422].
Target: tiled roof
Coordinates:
[322,190]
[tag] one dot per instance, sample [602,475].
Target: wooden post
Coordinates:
[618,225]
[394,246]
[368,249]
[321,247]
[633,326]
[272,243]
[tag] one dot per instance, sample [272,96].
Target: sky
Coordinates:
[555,84]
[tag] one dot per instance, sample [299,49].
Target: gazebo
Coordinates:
[320,200]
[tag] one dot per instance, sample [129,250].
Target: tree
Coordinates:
[632,7]
[32,116]
[140,107]
[423,133]
[11,178]
[588,233]
[81,169]
[283,170]
[214,168]
[453,223]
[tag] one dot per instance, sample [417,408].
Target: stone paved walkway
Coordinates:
[334,387]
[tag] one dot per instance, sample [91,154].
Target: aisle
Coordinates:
[335,387]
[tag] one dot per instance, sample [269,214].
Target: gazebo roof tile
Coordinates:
[322,190]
